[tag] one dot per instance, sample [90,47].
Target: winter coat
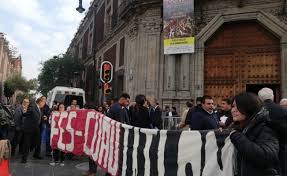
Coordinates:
[190,112]
[140,117]
[119,113]
[18,117]
[202,120]
[6,120]
[45,111]
[32,119]
[156,117]
[257,148]
[278,122]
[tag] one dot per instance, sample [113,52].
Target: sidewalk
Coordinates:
[75,167]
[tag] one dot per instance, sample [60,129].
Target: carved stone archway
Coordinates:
[268,21]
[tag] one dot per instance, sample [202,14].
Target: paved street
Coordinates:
[76,167]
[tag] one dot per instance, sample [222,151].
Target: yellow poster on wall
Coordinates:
[178,25]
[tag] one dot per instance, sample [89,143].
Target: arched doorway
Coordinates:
[241,56]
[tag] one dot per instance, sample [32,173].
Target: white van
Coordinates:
[66,95]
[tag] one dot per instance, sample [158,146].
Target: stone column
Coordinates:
[192,75]
[199,72]
[284,69]
[184,72]
[169,73]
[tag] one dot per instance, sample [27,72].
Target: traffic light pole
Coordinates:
[95,91]
[106,76]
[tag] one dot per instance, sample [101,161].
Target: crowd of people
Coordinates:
[31,122]
[257,124]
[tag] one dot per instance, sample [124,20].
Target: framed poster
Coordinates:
[178,26]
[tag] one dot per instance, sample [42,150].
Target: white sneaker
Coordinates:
[53,164]
[62,164]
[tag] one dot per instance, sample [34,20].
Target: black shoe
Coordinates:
[23,161]
[37,157]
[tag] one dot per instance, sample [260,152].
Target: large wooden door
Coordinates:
[240,54]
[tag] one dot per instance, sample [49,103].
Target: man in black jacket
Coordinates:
[18,118]
[118,111]
[155,113]
[278,122]
[193,110]
[225,116]
[32,134]
[206,118]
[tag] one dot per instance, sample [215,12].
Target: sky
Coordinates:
[40,29]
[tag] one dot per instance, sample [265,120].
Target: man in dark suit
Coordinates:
[278,122]
[18,118]
[155,113]
[119,110]
[31,129]
[205,118]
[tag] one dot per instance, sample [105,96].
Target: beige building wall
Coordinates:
[175,79]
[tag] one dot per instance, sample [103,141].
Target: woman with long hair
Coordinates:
[139,113]
[57,154]
[257,145]
[101,109]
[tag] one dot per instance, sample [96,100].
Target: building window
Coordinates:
[85,45]
[122,52]
[100,20]
[115,13]
[90,43]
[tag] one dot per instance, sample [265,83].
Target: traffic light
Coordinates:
[106,72]
[107,88]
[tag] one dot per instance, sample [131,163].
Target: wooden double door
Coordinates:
[241,56]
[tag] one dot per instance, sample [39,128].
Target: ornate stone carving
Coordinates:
[133,30]
[152,21]
[278,13]
[152,26]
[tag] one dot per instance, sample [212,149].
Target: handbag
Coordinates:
[4,168]
[5,150]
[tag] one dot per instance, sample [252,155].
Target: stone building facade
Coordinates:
[8,63]
[240,45]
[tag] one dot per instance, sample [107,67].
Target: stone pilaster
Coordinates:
[284,69]
[199,72]
[184,72]
[169,73]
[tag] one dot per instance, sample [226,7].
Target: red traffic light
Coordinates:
[106,72]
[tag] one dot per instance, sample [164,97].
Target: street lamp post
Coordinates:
[80,9]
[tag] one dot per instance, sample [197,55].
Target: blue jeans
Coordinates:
[47,134]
